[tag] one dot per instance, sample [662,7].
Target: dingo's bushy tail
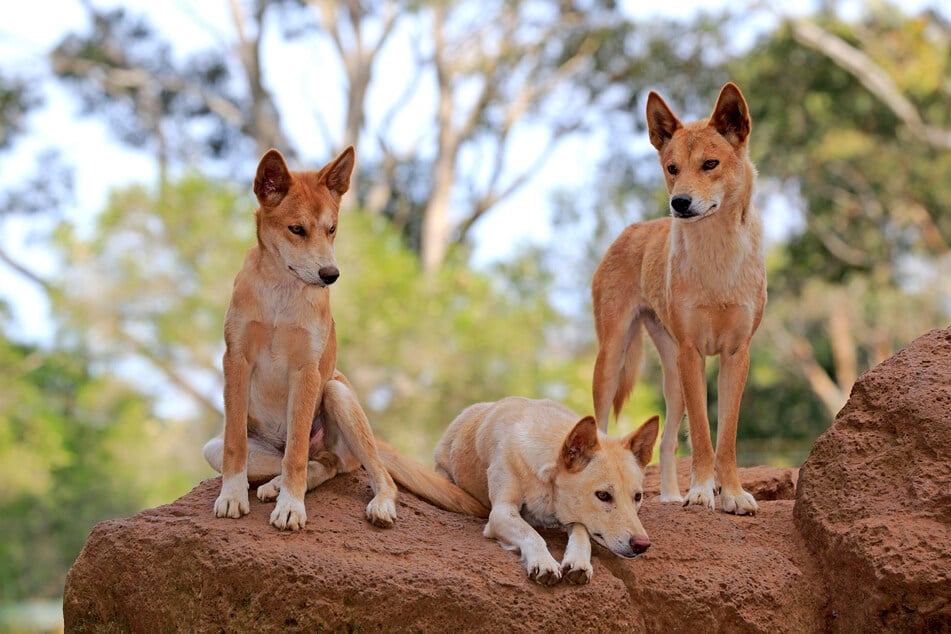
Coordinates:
[428,484]
[630,366]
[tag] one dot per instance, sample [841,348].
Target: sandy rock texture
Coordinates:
[179,568]
[862,543]
[874,498]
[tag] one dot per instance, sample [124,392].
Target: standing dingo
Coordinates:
[697,282]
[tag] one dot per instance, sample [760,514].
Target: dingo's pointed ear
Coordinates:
[661,121]
[580,444]
[731,116]
[337,172]
[641,441]
[272,180]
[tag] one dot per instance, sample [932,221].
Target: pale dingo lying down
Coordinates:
[535,463]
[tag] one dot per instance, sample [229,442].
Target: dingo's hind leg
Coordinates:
[349,434]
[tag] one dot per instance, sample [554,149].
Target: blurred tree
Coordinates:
[152,281]
[75,448]
[485,75]
[852,130]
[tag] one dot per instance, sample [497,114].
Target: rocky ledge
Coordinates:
[862,543]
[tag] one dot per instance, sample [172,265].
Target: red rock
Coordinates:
[874,499]
[869,549]
[178,568]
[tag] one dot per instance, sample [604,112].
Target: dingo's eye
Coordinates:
[297,230]
[672,169]
[332,230]
[604,496]
[638,497]
[709,164]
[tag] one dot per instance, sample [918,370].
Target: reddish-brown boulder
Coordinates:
[177,568]
[869,549]
[874,498]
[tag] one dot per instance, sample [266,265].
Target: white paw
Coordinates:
[701,495]
[741,503]
[576,570]
[289,513]
[233,500]
[543,570]
[269,492]
[381,511]
[666,496]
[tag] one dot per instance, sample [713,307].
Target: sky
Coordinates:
[102,164]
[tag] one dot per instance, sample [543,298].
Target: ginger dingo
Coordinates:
[535,463]
[292,421]
[697,282]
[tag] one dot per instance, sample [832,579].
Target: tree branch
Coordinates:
[872,76]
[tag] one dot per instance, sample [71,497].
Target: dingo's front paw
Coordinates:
[701,495]
[269,492]
[289,513]
[741,503]
[544,571]
[381,511]
[576,572]
[233,500]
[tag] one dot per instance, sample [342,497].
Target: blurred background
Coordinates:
[501,147]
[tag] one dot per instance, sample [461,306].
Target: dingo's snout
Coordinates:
[328,274]
[639,545]
[681,205]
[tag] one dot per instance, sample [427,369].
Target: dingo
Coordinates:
[535,463]
[292,421]
[697,282]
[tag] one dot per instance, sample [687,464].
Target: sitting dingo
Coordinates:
[535,463]
[292,421]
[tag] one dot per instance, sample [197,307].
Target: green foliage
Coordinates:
[75,448]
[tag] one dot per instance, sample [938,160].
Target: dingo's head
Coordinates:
[705,162]
[600,483]
[297,217]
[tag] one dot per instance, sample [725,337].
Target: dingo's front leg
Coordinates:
[507,526]
[233,499]
[576,564]
[733,372]
[690,365]
[289,512]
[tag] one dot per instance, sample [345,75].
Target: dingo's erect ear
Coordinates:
[580,444]
[641,441]
[661,121]
[336,174]
[272,180]
[731,116]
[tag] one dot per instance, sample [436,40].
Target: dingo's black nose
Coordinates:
[681,203]
[640,544]
[329,274]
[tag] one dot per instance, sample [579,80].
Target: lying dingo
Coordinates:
[535,463]
[292,421]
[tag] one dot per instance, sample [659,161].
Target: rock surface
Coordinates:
[874,499]
[869,548]
[177,567]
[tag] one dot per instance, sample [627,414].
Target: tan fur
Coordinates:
[697,282]
[534,463]
[292,421]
